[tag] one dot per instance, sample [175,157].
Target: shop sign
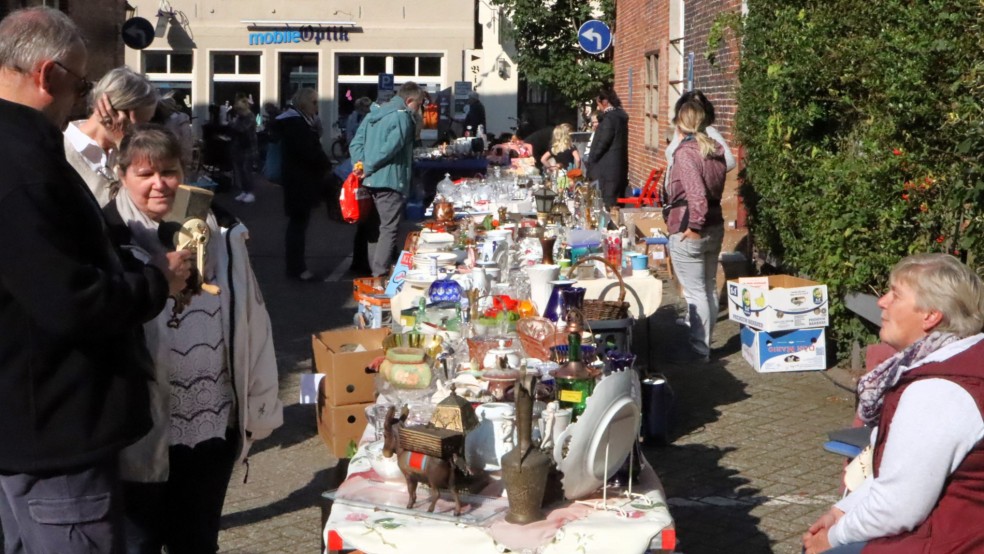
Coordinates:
[307,33]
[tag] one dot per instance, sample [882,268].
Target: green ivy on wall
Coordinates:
[864,133]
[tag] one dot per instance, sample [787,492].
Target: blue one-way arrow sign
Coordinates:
[594,36]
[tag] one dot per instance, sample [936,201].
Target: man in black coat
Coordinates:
[475,115]
[74,369]
[608,162]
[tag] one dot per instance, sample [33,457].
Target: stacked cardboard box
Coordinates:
[783,320]
[347,388]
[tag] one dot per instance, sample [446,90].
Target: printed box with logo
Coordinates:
[340,427]
[343,356]
[778,303]
[796,350]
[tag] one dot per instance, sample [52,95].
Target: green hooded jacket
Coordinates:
[384,145]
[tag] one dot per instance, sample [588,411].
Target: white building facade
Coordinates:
[213,50]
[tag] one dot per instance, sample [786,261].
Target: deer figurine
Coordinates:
[416,466]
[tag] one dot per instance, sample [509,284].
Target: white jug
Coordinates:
[493,437]
[540,286]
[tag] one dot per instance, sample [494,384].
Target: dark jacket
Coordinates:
[305,163]
[73,366]
[475,117]
[609,156]
[953,526]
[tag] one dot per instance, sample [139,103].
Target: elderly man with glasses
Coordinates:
[73,364]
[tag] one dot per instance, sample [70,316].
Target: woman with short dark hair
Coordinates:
[214,390]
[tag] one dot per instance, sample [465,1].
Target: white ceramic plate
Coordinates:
[419,279]
[443,258]
[437,238]
[601,439]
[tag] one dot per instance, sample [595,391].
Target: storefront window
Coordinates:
[297,70]
[404,65]
[358,75]
[234,75]
[181,62]
[171,73]
[374,65]
[429,66]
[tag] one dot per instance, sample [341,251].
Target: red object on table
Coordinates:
[650,191]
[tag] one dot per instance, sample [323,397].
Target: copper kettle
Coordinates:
[443,210]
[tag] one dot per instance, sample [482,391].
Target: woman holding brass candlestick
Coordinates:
[215,385]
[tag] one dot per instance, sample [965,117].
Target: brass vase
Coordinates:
[525,468]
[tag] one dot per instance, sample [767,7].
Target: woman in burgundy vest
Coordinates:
[926,493]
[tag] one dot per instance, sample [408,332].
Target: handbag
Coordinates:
[349,199]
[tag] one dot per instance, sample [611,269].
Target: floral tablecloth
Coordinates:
[637,524]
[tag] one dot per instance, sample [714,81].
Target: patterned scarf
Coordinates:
[873,386]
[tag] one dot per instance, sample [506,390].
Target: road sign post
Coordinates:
[594,36]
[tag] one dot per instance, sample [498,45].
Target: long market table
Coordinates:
[369,515]
[428,173]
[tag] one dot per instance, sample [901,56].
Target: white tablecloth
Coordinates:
[639,525]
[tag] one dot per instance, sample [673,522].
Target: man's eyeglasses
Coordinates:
[84,85]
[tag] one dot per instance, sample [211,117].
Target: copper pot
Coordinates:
[443,210]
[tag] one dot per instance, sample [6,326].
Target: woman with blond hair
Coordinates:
[923,490]
[695,223]
[562,154]
[120,99]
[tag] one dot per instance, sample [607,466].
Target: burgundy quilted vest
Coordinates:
[956,523]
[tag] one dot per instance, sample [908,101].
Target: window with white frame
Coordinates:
[651,107]
[358,74]
[235,74]
[170,71]
[675,57]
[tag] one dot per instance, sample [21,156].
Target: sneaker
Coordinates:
[240,196]
[306,275]
[247,198]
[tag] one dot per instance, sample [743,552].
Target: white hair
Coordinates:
[31,36]
[126,89]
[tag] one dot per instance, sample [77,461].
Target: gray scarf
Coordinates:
[873,386]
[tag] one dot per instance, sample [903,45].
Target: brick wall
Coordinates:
[100,22]
[642,27]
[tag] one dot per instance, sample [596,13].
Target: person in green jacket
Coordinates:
[384,145]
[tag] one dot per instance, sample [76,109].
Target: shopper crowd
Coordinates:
[122,415]
[137,373]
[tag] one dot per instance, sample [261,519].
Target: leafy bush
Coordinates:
[862,125]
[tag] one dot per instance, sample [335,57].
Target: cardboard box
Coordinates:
[778,303]
[796,350]
[346,379]
[340,427]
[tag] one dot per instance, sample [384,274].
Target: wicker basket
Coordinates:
[537,335]
[596,309]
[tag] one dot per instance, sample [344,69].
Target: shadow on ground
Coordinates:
[708,501]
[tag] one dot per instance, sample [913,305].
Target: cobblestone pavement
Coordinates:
[744,473]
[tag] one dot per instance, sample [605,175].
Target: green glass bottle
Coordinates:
[574,383]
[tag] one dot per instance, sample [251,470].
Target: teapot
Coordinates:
[502,356]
